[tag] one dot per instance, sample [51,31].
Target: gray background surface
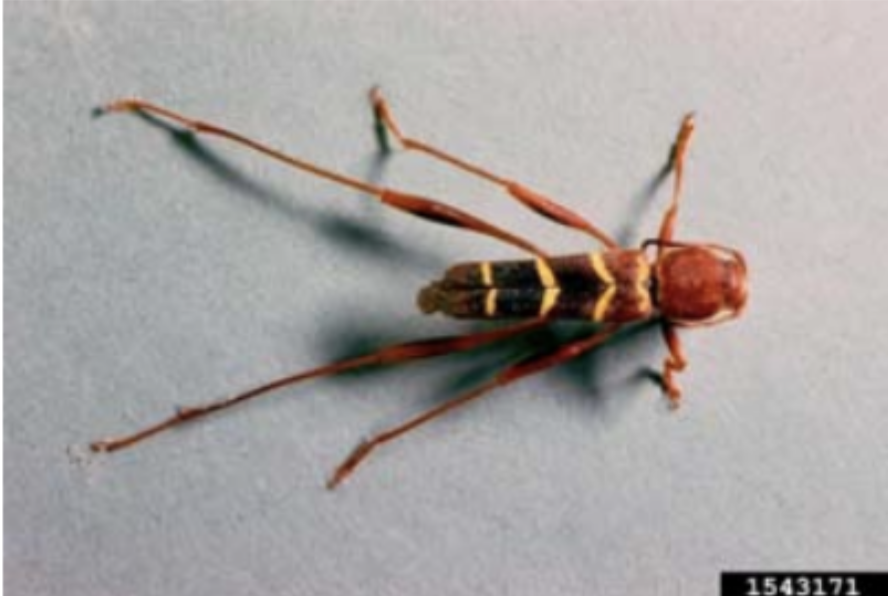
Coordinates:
[145,272]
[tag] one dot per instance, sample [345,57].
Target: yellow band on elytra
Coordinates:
[486,274]
[490,303]
[604,301]
[547,277]
[550,298]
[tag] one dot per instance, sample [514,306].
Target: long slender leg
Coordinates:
[389,355]
[518,371]
[415,205]
[679,152]
[531,199]
[674,362]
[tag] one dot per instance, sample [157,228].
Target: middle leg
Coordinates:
[533,200]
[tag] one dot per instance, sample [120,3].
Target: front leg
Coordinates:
[674,362]
[677,159]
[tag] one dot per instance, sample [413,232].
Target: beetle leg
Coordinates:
[674,362]
[390,355]
[679,152]
[422,207]
[529,198]
[525,368]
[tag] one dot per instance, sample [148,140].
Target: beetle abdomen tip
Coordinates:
[429,298]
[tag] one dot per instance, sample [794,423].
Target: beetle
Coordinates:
[677,283]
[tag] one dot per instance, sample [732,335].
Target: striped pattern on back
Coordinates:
[612,286]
